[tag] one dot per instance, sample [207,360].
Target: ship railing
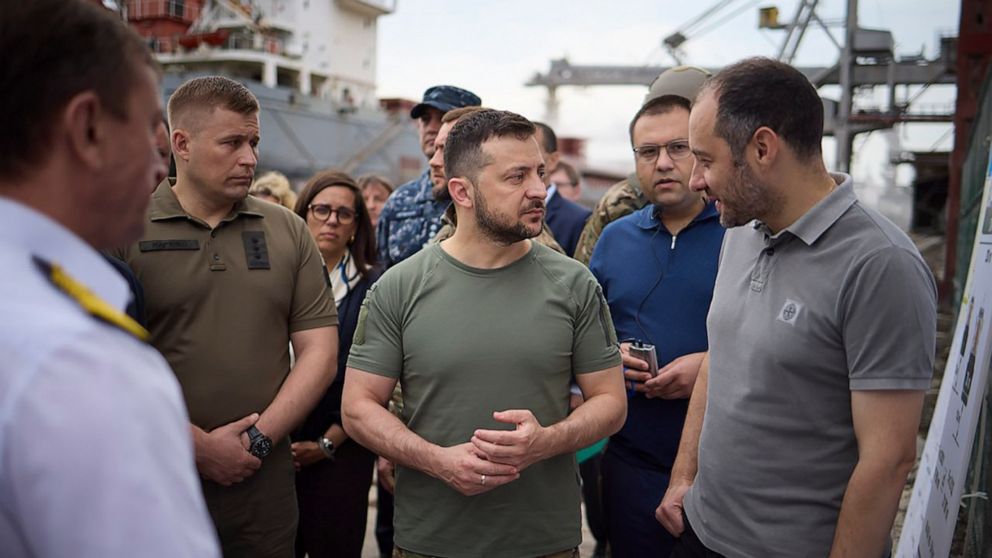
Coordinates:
[176,9]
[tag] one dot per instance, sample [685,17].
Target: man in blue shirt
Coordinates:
[657,268]
[412,215]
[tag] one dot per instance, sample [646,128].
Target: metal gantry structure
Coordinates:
[866,58]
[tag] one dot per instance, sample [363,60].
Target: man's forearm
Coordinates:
[687,461]
[598,417]
[869,508]
[373,426]
[304,386]
[199,436]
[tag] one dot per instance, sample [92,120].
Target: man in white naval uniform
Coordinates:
[96,456]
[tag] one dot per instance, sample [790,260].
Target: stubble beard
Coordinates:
[440,192]
[752,199]
[499,232]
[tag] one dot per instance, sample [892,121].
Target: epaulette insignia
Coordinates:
[88,301]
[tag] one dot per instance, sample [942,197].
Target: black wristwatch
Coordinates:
[259,444]
[326,446]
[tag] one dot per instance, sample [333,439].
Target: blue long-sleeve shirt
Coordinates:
[659,289]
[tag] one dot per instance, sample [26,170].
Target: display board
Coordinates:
[936,496]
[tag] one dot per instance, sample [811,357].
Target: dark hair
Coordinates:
[549,141]
[463,155]
[658,105]
[53,51]
[573,175]
[207,93]
[758,92]
[363,247]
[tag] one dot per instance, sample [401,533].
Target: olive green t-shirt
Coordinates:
[464,343]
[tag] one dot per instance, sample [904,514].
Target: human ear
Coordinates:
[180,140]
[765,143]
[461,191]
[84,121]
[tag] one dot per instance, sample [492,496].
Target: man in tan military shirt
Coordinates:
[229,282]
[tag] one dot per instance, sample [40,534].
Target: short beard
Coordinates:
[752,199]
[441,193]
[491,227]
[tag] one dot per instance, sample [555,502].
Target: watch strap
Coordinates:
[326,447]
[254,433]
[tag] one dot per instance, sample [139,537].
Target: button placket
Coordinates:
[215,261]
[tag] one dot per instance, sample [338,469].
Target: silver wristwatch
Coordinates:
[326,447]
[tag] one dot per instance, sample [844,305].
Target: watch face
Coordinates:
[261,447]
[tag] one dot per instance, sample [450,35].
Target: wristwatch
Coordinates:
[259,444]
[326,447]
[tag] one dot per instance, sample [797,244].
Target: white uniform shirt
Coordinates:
[96,457]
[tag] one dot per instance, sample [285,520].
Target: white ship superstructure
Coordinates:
[324,48]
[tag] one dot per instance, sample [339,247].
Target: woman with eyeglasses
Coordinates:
[333,473]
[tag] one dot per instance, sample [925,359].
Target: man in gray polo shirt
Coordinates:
[821,335]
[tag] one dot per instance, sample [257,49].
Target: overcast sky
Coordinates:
[493,47]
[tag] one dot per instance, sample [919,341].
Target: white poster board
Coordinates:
[936,497]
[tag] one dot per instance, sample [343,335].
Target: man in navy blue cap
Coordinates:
[412,215]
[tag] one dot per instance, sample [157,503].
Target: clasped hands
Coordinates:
[493,458]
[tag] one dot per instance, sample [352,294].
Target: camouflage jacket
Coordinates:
[410,218]
[451,221]
[623,198]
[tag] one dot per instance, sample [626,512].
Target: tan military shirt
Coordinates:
[221,303]
[623,198]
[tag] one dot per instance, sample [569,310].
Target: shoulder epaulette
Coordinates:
[87,300]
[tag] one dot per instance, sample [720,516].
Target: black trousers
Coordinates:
[334,500]
[688,544]
[384,520]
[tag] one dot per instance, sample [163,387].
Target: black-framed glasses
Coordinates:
[322,212]
[677,150]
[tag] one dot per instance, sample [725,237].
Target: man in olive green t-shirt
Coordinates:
[485,331]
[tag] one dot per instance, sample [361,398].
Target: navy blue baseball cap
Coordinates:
[445,98]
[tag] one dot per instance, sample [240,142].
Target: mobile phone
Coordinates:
[645,352]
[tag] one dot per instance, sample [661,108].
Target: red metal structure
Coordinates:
[163,22]
[974,55]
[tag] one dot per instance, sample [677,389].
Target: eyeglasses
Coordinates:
[322,212]
[648,153]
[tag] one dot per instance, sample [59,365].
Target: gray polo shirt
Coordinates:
[839,301]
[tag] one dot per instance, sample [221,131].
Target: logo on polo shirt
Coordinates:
[790,311]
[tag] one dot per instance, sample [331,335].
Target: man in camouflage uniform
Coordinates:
[412,215]
[626,197]
[623,198]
